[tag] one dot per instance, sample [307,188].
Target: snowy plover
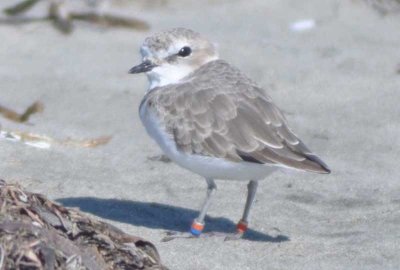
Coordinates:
[210,118]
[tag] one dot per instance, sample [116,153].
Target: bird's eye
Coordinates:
[185,51]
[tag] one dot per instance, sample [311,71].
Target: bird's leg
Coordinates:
[241,226]
[198,224]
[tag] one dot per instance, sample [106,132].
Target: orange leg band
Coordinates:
[196,228]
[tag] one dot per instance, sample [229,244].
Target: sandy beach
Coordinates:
[331,66]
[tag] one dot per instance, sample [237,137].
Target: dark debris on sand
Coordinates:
[36,233]
[62,17]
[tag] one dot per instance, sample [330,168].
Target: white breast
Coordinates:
[208,167]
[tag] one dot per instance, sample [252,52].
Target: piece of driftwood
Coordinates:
[36,233]
[62,17]
[21,118]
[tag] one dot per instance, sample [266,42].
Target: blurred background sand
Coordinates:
[332,66]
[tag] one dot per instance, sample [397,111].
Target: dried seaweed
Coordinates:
[42,141]
[87,143]
[36,233]
[111,20]
[20,118]
[20,7]
[45,142]
[62,18]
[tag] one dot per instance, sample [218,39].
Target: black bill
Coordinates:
[143,67]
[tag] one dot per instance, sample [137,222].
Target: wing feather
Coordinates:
[221,113]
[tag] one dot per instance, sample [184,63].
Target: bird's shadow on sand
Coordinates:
[159,216]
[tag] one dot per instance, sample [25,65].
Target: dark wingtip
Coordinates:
[327,170]
[323,168]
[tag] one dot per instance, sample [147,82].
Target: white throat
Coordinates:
[171,74]
[167,74]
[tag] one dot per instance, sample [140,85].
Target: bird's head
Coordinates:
[169,56]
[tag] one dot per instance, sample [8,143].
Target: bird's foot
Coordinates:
[241,228]
[195,231]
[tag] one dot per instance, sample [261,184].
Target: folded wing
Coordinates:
[225,115]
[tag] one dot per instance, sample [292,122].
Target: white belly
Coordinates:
[208,167]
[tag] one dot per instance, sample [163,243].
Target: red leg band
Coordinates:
[241,227]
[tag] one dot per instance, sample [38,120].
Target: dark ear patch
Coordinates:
[172,58]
